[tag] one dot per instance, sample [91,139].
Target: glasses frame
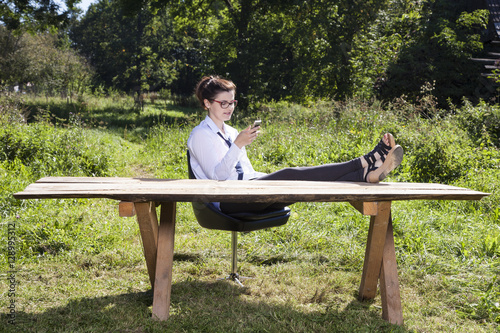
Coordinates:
[222,103]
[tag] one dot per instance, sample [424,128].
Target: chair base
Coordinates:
[236,278]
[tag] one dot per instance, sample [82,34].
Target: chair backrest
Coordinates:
[190,170]
[210,217]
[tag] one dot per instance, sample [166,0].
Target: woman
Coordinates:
[217,151]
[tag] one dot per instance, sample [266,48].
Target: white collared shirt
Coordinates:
[211,158]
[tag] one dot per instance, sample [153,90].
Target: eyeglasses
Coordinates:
[226,104]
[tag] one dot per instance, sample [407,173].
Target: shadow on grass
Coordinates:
[198,306]
[117,117]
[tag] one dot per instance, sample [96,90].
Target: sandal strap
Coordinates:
[371,167]
[382,149]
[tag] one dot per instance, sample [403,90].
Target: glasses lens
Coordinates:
[225,104]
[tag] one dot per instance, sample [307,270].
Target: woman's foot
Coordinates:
[391,162]
[383,147]
[377,156]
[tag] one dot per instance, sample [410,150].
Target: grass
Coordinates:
[80,268]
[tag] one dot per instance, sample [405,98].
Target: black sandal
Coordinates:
[382,150]
[392,161]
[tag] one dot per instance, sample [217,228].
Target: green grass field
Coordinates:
[75,266]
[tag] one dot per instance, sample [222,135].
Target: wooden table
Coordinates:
[141,196]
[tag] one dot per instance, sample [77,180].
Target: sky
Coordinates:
[85,4]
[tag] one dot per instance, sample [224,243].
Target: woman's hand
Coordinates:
[246,136]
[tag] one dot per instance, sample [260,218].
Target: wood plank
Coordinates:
[96,180]
[126,209]
[161,182]
[188,190]
[374,251]
[164,263]
[389,282]
[366,208]
[148,226]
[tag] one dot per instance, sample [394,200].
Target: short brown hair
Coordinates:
[210,86]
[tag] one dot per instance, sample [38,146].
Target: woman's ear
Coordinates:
[207,103]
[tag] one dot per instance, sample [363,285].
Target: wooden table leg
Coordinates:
[380,262]
[389,283]
[148,226]
[374,251]
[164,261]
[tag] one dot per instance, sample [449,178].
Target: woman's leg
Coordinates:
[347,171]
[327,172]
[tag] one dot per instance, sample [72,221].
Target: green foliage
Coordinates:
[447,148]
[52,151]
[36,15]
[488,305]
[36,63]
[58,233]
[133,53]
[412,43]
[113,111]
[481,121]
[300,50]
[293,50]
[379,45]
[169,140]
[12,110]
[31,151]
[274,50]
[241,39]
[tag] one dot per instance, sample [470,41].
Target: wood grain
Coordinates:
[374,251]
[148,226]
[189,190]
[164,262]
[389,281]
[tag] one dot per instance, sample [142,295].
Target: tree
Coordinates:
[36,59]
[417,44]
[276,49]
[36,15]
[132,53]
[295,50]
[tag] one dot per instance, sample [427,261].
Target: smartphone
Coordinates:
[256,123]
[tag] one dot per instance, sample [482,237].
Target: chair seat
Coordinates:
[210,217]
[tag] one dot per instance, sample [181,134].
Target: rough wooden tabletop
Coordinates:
[188,190]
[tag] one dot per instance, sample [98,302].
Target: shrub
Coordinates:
[481,121]
[52,151]
[12,110]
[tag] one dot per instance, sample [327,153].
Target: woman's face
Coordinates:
[215,111]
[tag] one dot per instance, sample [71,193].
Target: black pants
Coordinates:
[347,171]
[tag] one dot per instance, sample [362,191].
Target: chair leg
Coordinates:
[234,253]
[234,276]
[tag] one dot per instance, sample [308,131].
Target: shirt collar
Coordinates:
[214,127]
